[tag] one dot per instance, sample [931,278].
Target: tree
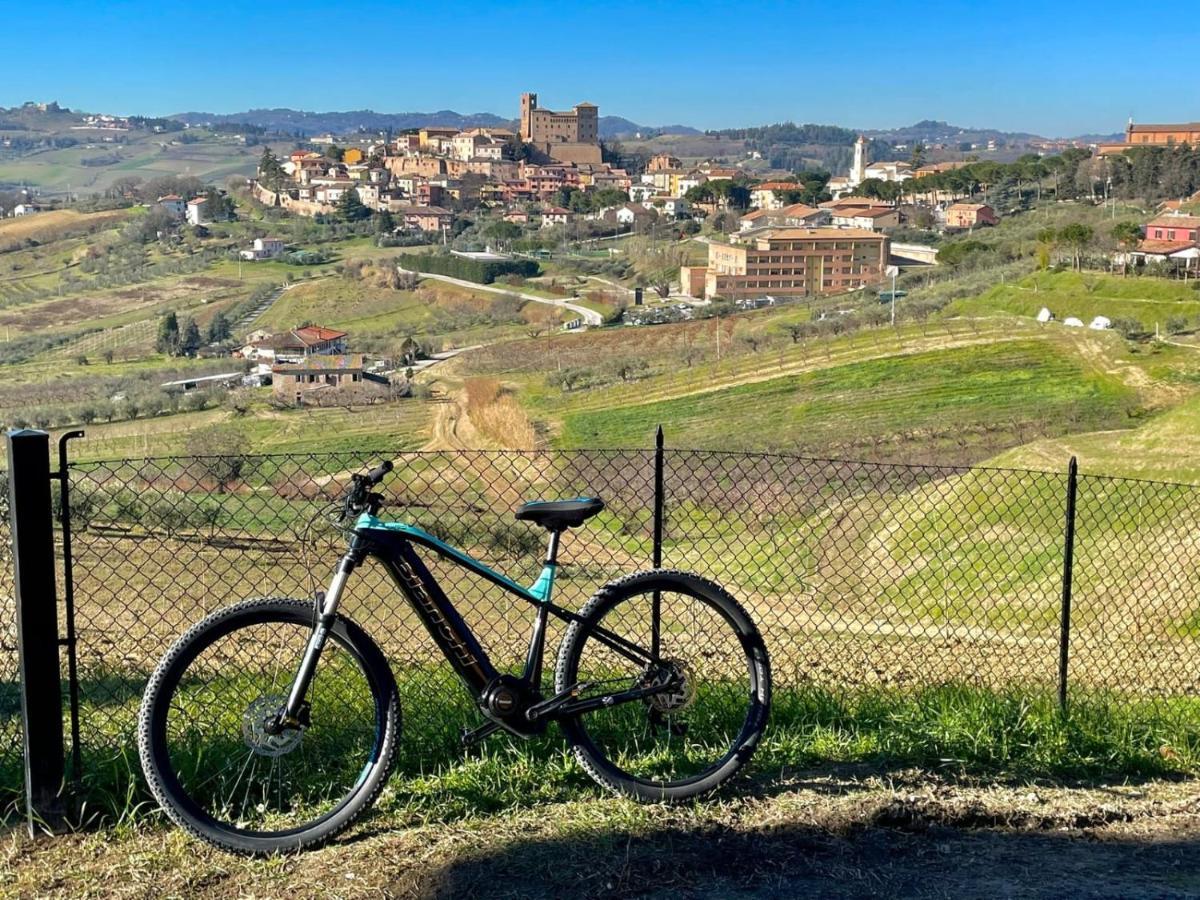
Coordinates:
[538,318]
[350,208]
[918,155]
[1077,236]
[270,170]
[221,452]
[384,222]
[168,335]
[1128,235]
[219,328]
[190,340]
[502,232]
[218,207]
[663,281]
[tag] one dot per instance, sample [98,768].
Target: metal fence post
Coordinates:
[36,596]
[658,497]
[1064,636]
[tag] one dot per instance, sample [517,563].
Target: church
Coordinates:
[860,171]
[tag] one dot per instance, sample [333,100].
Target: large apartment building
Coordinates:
[571,137]
[790,262]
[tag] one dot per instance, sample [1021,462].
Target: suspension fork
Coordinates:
[293,711]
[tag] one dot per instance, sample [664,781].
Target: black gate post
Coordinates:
[1064,636]
[36,596]
[658,497]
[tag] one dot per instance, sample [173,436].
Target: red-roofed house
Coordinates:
[968,215]
[311,340]
[1174,228]
[872,218]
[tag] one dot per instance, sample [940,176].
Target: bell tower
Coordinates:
[528,105]
[858,174]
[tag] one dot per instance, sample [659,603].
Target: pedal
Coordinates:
[538,710]
[472,736]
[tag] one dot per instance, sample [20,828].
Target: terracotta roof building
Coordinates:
[792,263]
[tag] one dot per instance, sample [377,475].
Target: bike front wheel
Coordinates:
[208,751]
[701,667]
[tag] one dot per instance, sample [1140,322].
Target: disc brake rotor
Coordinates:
[258,716]
[679,696]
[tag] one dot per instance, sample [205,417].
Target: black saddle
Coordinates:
[557,515]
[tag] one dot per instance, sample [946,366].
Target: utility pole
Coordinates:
[893,271]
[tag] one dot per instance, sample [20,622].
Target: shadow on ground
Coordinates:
[898,859]
[944,843]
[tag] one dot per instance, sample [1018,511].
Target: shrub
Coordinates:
[472,269]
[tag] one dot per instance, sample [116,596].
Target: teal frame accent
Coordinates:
[541,591]
[543,588]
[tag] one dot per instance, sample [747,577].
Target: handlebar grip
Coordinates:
[376,475]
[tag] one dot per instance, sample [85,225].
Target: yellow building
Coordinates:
[792,262]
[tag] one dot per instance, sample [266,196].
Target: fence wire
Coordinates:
[860,575]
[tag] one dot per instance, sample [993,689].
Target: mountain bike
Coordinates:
[273,724]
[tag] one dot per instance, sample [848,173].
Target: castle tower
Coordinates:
[858,173]
[528,105]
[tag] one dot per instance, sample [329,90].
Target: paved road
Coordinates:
[589,316]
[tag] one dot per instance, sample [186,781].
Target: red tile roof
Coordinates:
[349,362]
[1164,247]
[1175,222]
[316,333]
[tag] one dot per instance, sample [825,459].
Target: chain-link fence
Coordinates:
[858,574]
[10,695]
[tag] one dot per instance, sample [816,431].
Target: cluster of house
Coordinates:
[194,211]
[1172,238]
[312,365]
[420,177]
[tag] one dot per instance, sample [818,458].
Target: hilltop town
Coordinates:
[391,270]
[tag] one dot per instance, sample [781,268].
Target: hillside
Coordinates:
[300,122]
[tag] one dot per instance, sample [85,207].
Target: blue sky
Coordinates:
[1056,69]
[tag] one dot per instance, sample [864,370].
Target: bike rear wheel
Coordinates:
[208,751]
[705,723]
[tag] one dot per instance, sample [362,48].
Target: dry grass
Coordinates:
[831,832]
[55,225]
[496,413]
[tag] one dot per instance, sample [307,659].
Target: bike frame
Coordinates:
[392,544]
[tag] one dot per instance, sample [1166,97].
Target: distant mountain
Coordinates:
[361,120]
[930,131]
[617,127]
[366,120]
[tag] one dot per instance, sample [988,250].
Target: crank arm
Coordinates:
[607,701]
[546,707]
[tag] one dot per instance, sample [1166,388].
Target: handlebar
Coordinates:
[359,498]
[376,474]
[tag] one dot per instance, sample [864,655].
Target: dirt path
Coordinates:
[451,426]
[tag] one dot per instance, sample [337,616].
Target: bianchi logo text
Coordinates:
[434,617]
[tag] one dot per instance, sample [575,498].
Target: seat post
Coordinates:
[552,550]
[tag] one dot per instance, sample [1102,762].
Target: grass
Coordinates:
[944,394]
[953,729]
[403,425]
[1150,301]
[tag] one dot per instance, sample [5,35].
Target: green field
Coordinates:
[211,158]
[1084,296]
[984,394]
